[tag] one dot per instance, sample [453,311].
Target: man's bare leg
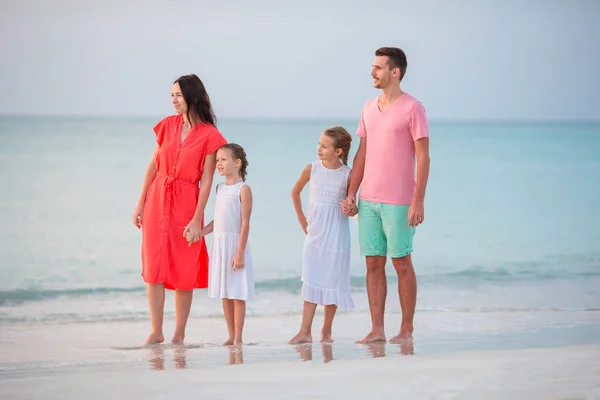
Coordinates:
[407,291]
[377,292]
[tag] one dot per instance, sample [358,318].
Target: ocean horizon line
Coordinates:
[296,119]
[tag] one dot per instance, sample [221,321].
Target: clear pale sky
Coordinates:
[514,59]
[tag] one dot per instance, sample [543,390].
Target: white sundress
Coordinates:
[223,281]
[326,254]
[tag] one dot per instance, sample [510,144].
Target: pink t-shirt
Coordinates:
[390,158]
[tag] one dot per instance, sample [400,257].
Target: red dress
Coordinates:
[171,203]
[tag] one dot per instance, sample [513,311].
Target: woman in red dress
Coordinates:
[174,194]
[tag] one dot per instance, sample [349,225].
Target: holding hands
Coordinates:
[193,232]
[349,206]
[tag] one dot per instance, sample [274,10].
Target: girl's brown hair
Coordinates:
[238,153]
[342,140]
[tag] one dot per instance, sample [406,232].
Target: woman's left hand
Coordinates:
[193,231]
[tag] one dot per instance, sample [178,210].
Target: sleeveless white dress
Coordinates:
[326,254]
[223,281]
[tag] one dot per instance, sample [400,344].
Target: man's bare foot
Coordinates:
[404,335]
[401,337]
[228,342]
[326,337]
[373,337]
[301,338]
[155,338]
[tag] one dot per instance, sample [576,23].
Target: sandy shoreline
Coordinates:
[55,345]
[571,372]
[453,356]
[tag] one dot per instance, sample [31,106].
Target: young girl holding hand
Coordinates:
[326,254]
[230,269]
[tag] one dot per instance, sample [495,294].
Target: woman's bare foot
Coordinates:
[237,341]
[228,342]
[155,338]
[301,338]
[326,337]
[373,337]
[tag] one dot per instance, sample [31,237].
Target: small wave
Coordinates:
[535,271]
[512,273]
[18,296]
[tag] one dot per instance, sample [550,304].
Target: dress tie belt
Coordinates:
[171,185]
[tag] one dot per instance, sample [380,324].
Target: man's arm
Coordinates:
[356,176]
[358,169]
[416,213]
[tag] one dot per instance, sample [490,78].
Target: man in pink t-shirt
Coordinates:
[391,201]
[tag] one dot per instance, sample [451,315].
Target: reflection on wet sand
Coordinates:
[305,351]
[327,349]
[407,347]
[378,349]
[156,354]
[180,357]
[236,355]
[156,358]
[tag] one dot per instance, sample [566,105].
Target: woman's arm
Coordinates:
[206,180]
[193,230]
[297,200]
[150,173]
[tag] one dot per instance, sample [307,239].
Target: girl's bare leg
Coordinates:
[239,315]
[228,310]
[305,334]
[183,305]
[156,305]
[327,323]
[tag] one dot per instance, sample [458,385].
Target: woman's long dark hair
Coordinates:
[197,100]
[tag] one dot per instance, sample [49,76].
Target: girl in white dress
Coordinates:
[326,254]
[230,275]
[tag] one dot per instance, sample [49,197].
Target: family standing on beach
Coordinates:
[178,182]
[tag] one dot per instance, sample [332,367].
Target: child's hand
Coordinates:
[238,262]
[349,207]
[192,238]
[303,224]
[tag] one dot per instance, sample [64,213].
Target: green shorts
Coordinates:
[383,229]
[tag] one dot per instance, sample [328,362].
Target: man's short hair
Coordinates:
[396,58]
